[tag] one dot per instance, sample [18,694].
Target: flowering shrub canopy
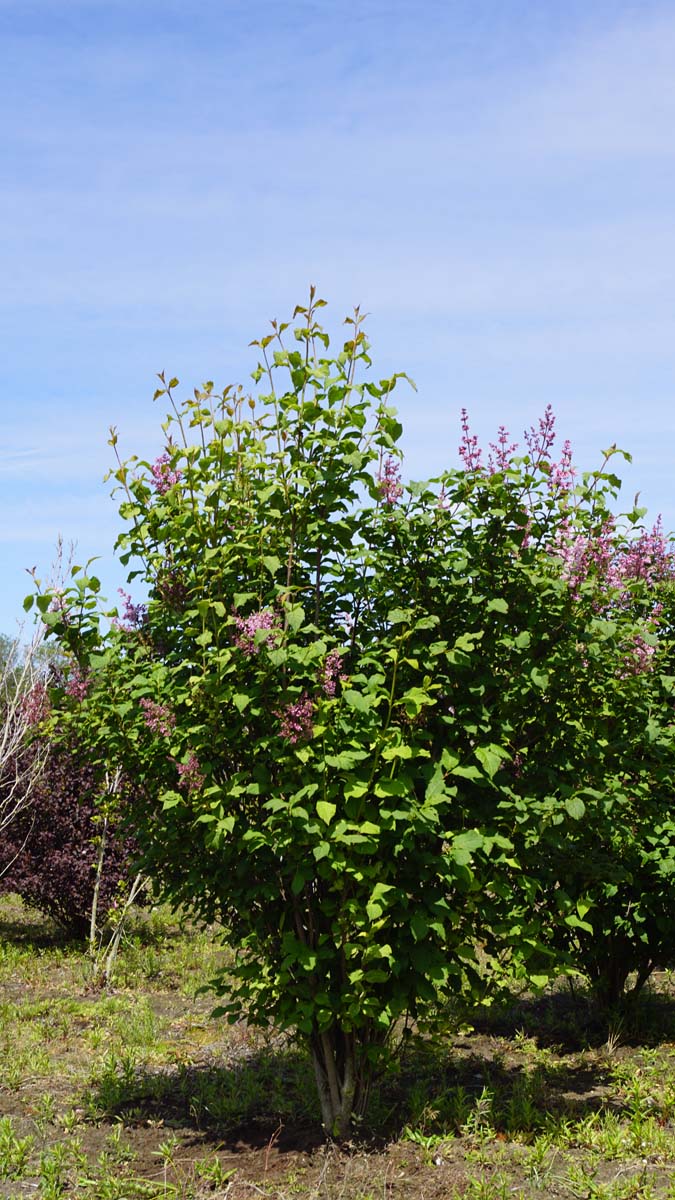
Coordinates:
[371,724]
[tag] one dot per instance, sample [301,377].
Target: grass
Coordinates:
[139,1093]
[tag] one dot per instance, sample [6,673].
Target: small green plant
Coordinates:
[488,1189]
[14,1151]
[56,1168]
[45,1110]
[212,1171]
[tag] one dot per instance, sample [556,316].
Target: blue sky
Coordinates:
[493,181]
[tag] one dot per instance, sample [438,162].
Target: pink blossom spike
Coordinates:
[158,717]
[190,776]
[247,627]
[389,481]
[164,476]
[469,450]
[296,720]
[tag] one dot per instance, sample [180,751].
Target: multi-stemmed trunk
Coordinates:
[343,1071]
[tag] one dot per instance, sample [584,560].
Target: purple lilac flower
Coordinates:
[649,557]
[190,777]
[296,720]
[503,451]
[561,477]
[583,556]
[655,616]
[158,717]
[540,440]
[78,683]
[247,627]
[331,673]
[164,476]
[639,658]
[469,450]
[134,616]
[389,481]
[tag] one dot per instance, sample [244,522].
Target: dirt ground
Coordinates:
[139,1093]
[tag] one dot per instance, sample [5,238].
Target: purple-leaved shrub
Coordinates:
[48,854]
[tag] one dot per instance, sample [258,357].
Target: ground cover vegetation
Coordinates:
[137,1094]
[406,745]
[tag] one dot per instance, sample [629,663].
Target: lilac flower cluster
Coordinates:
[331,673]
[649,557]
[561,477]
[584,556]
[78,683]
[164,476]
[190,776]
[247,628]
[389,481]
[539,441]
[639,658]
[469,450]
[502,449]
[296,720]
[158,717]
[134,616]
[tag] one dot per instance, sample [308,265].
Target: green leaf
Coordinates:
[497,605]
[377,903]
[539,678]
[399,616]
[295,616]
[171,799]
[419,927]
[357,700]
[436,786]
[575,807]
[272,563]
[464,844]
[326,811]
[415,699]
[490,758]
[346,759]
[471,773]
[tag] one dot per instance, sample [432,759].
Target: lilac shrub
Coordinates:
[602,739]
[374,725]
